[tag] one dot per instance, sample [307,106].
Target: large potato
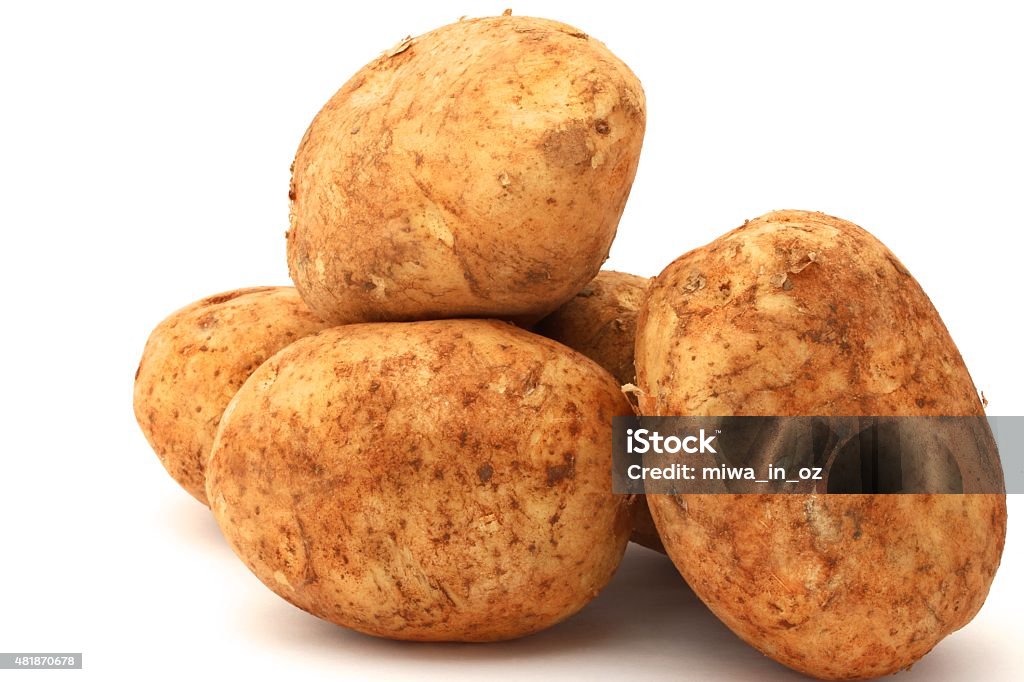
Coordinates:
[800,313]
[195,361]
[600,322]
[444,480]
[477,170]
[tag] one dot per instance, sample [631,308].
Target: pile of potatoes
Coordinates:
[415,441]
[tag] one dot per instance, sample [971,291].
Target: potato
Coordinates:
[799,313]
[197,358]
[600,322]
[445,480]
[478,170]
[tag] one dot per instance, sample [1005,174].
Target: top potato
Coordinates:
[477,170]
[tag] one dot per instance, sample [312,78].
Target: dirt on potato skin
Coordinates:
[799,313]
[197,358]
[479,170]
[434,481]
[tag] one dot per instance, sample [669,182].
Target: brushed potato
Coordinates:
[799,313]
[442,481]
[197,358]
[600,322]
[478,170]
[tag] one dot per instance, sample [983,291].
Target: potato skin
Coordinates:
[478,170]
[799,313]
[446,480]
[600,322]
[195,361]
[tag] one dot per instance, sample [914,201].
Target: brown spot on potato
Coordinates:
[567,147]
[561,472]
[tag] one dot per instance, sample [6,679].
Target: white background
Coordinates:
[144,161]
